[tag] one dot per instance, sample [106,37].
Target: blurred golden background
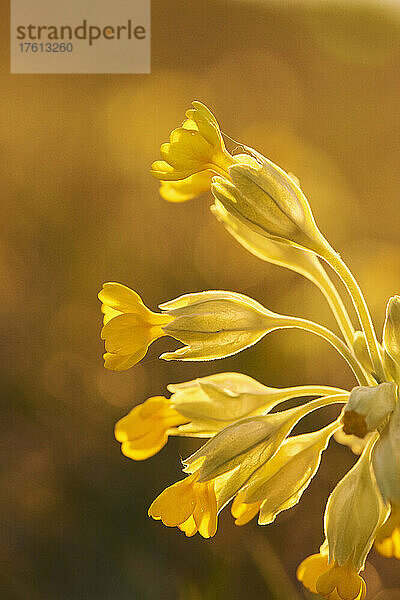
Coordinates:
[315,87]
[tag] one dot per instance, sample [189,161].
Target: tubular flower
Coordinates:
[212,324]
[388,537]
[194,147]
[354,513]
[189,505]
[250,457]
[129,326]
[144,431]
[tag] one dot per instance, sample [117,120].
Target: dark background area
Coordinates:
[315,87]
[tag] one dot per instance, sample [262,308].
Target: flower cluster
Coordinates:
[251,458]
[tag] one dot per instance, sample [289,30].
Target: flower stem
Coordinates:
[335,302]
[334,260]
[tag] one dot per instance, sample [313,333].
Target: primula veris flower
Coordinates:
[264,198]
[387,540]
[368,408]
[249,457]
[354,512]
[212,325]
[189,505]
[144,431]
[279,484]
[188,188]
[195,147]
[129,326]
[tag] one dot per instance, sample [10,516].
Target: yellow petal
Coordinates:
[146,446]
[126,334]
[119,362]
[189,527]
[186,189]
[175,504]
[109,313]
[205,513]
[244,512]
[160,169]
[122,298]
[310,570]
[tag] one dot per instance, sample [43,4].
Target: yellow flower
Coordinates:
[144,431]
[189,505]
[212,324]
[329,580]
[186,189]
[387,540]
[354,513]
[195,147]
[129,326]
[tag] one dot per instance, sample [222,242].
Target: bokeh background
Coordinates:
[315,87]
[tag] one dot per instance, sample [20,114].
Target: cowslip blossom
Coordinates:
[249,456]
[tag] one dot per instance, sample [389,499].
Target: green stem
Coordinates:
[335,302]
[319,403]
[334,260]
[334,340]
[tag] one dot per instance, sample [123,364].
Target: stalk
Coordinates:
[334,260]
[335,302]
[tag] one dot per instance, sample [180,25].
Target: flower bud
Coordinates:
[369,408]
[354,512]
